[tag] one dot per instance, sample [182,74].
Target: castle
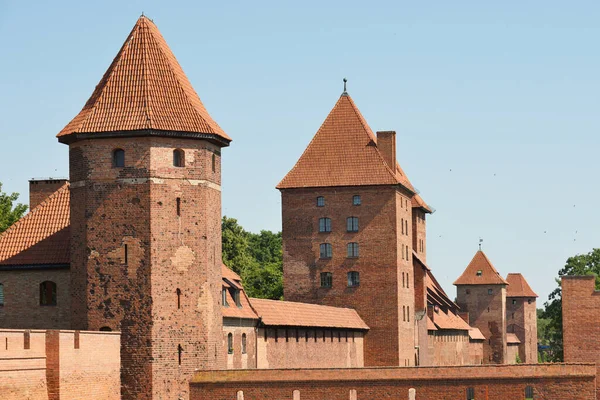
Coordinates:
[131,243]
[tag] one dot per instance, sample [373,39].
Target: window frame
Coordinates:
[320,201]
[117,162]
[356,200]
[352,250]
[352,224]
[224,301]
[353,278]
[48,299]
[324,225]
[237,297]
[326,280]
[325,251]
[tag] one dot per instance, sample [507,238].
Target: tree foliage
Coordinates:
[581,264]
[256,257]
[9,212]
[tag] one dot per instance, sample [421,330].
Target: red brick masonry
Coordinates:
[493,382]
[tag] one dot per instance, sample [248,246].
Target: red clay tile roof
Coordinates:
[343,152]
[418,202]
[144,89]
[230,279]
[431,325]
[518,286]
[475,334]
[287,313]
[511,338]
[449,320]
[42,236]
[488,276]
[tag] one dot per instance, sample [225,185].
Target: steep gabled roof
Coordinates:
[245,310]
[488,275]
[288,313]
[143,89]
[41,237]
[343,152]
[518,286]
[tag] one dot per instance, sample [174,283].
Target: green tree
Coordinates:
[9,212]
[581,264]
[257,258]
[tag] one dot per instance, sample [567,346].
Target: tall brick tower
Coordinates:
[521,316]
[145,173]
[481,292]
[347,231]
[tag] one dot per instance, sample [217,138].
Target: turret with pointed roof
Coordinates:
[348,231]
[480,271]
[145,176]
[521,316]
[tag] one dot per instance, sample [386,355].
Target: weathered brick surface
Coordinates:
[238,327]
[419,233]
[133,211]
[381,297]
[309,348]
[521,319]
[488,313]
[22,307]
[581,321]
[40,189]
[494,382]
[448,347]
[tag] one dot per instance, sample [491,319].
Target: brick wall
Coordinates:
[449,347]
[494,382]
[419,233]
[384,303]
[45,365]
[139,250]
[581,320]
[488,313]
[238,327]
[521,319]
[40,189]
[309,348]
[22,299]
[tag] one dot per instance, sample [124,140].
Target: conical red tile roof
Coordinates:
[343,152]
[488,275]
[143,89]
[518,286]
[42,236]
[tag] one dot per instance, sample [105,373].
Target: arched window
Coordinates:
[325,250]
[178,158]
[118,158]
[1,295]
[243,343]
[353,278]
[324,224]
[230,343]
[105,329]
[47,293]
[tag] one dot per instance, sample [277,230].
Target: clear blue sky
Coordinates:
[495,105]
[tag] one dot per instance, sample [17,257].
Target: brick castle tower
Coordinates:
[348,231]
[521,316]
[481,292]
[145,173]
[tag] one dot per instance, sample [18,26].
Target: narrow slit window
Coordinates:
[118,158]
[402,225]
[230,343]
[243,343]
[214,162]
[178,201]
[178,291]
[179,351]
[126,255]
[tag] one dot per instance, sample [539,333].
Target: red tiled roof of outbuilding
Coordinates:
[512,338]
[518,286]
[144,89]
[475,334]
[288,313]
[42,236]
[230,278]
[489,275]
[343,152]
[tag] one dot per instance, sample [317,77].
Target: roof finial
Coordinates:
[142,13]
[345,80]
[480,241]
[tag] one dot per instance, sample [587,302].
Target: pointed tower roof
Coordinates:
[343,152]
[518,286]
[144,92]
[480,271]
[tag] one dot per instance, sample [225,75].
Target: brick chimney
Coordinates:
[40,189]
[386,143]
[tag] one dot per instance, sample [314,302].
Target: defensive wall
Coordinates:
[59,365]
[491,382]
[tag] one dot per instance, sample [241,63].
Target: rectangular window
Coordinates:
[353,279]
[224,298]
[528,393]
[490,291]
[352,224]
[325,250]
[356,200]
[1,294]
[324,225]
[320,201]
[352,250]
[514,301]
[470,394]
[326,279]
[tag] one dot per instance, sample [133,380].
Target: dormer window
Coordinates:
[320,201]
[237,297]
[224,298]
[118,160]
[479,272]
[178,158]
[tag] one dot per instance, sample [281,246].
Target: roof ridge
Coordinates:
[146,96]
[31,212]
[301,302]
